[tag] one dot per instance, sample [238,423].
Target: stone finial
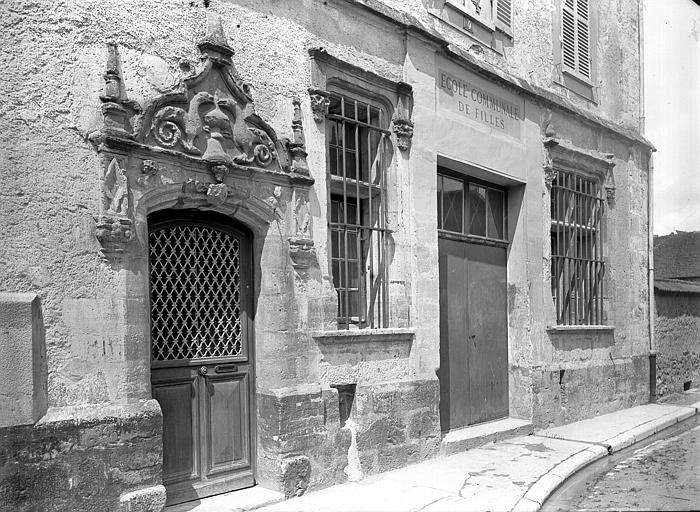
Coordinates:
[403,129]
[214,44]
[320,101]
[297,148]
[117,109]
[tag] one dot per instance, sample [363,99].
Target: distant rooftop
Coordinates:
[677,256]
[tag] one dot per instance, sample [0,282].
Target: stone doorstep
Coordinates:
[244,499]
[474,436]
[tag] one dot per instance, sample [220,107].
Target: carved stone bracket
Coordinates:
[302,253]
[403,129]
[114,232]
[320,100]
[609,183]
[549,171]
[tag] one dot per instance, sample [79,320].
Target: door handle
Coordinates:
[225,368]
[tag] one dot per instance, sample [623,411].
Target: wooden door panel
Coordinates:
[174,388]
[202,373]
[454,371]
[225,412]
[488,334]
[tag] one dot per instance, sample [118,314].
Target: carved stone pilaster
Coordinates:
[403,129]
[114,227]
[320,100]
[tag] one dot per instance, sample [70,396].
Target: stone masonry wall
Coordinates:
[303,445]
[677,331]
[84,459]
[566,395]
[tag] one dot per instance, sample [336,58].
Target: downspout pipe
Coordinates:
[650,210]
[652,309]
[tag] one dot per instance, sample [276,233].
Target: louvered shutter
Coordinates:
[575,38]
[504,15]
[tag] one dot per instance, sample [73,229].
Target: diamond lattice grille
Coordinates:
[195,293]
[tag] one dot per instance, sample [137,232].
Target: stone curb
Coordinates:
[538,493]
[552,479]
[640,432]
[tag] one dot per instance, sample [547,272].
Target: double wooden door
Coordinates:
[201,370]
[473,333]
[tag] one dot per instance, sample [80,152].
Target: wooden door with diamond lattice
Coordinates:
[201,365]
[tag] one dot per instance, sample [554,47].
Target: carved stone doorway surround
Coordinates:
[199,145]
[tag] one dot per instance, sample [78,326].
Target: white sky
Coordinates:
[672,110]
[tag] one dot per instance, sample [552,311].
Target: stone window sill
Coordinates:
[561,329]
[364,335]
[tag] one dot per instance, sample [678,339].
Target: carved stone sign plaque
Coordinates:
[467,97]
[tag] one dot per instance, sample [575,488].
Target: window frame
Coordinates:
[587,256]
[464,234]
[373,283]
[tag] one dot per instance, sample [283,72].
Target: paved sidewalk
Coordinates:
[515,474]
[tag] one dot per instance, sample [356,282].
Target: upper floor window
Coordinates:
[577,208]
[575,37]
[575,27]
[357,137]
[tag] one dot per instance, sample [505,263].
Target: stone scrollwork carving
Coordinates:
[320,101]
[403,129]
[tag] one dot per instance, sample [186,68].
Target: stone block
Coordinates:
[150,499]
[296,473]
[23,373]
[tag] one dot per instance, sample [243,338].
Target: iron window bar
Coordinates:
[357,183]
[577,209]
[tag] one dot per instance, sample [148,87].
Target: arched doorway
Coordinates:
[202,372]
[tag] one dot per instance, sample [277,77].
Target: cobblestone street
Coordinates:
[662,475]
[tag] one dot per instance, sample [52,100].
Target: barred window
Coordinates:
[577,249]
[357,160]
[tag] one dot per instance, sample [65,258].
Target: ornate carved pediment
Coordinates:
[208,117]
[202,137]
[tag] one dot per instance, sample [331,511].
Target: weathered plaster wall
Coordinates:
[677,332]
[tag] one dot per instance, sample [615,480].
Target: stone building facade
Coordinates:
[292,243]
